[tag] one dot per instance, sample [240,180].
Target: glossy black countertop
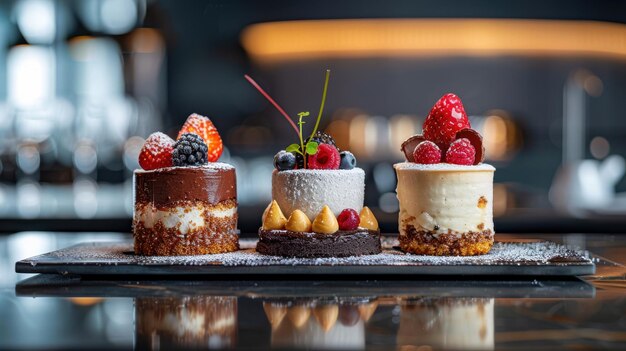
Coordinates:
[55,312]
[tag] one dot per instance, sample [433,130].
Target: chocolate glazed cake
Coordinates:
[185,210]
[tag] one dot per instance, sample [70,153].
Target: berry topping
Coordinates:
[461,152]
[203,127]
[427,152]
[445,119]
[348,219]
[348,161]
[299,161]
[156,152]
[189,150]
[477,142]
[321,138]
[284,160]
[327,157]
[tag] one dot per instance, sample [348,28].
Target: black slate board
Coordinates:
[525,258]
[54,285]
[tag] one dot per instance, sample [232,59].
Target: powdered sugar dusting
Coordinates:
[502,253]
[309,190]
[443,167]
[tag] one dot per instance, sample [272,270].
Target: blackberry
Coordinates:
[189,150]
[299,161]
[322,138]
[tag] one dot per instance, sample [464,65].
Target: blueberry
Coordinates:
[348,161]
[284,160]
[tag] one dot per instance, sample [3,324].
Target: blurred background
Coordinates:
[82,83]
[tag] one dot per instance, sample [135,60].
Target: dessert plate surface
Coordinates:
[55,285]
[513,258]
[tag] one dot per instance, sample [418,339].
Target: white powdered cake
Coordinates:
[308,190]
[445,198]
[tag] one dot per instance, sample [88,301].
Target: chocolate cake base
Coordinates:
[422,242]
[300,244]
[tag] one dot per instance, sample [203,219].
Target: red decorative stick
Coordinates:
[269,98]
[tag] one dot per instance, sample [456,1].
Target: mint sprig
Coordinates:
[310,148]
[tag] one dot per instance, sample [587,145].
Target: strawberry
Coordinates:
[461,152]
[156,152]
[327,157]
[445,119]
[203,127]
[427,152]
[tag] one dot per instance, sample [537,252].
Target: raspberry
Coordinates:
[477,142]
[348,219]
[445,119]
[189,150]
[203,127]
[327,157]
[461,152]
[156,152]
[427,152]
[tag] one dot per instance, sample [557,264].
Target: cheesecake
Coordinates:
[445,209]
[445,191]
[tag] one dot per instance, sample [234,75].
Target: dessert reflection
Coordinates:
[185,322]
[319,324]
[446,323]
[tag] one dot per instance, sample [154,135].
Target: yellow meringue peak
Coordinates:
[325,222]
[273,217]
[275,314]
[298,222]
[298,315]
[367,310]
[368,221]
[326,316]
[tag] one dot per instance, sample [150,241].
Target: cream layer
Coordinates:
[444,198]
[186,218]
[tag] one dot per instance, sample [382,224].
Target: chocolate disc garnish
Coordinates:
[476,140]
[409,145]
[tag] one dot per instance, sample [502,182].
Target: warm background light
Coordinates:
[414,37]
